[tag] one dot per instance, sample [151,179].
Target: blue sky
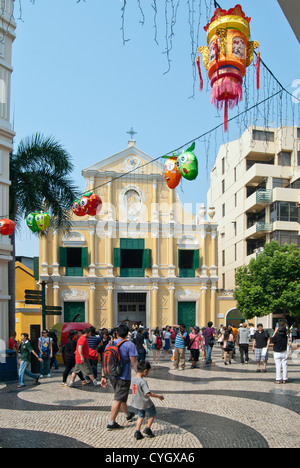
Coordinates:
[74,79]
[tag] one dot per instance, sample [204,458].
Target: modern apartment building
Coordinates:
[255,189]
[7,36]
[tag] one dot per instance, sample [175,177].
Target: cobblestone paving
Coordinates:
[213,406]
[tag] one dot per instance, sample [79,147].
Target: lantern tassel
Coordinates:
[226,116]
[200,74]
[258,71]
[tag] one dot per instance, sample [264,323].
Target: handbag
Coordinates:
[230,345]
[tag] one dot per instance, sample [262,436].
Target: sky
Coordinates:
[74,79]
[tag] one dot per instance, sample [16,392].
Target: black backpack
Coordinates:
[187,341]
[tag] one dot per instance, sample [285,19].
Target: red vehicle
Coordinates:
[62,332]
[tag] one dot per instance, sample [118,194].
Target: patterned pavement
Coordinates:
[210,407]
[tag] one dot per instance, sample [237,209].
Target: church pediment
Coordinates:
[130,159]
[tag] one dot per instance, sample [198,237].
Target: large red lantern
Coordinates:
[7,227]
[228,54]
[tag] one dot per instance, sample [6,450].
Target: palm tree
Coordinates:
[40,181]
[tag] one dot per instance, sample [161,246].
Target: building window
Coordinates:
[223,166]
[223,258]
[284,158]
[74,259]
[295,185]
[223,210]
[262,135]
[132,258]
[188,262]
[286,237]
[223,186]
[255,244]
[235,174]
[253,218]
[280,183]
[235,228]
[285,211]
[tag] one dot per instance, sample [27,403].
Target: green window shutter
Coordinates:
[117,258]
[147,258]
[179,258]
[196,259]
[84,257]
[36,268]
[132,244]
[62,257]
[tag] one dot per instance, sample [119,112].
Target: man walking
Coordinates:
[261,343]
[209,341]
[82,363]
[26,349]
[244,337]
[121,384]
[180,344]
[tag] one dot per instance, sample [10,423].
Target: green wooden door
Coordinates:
[71,309]
[187,314]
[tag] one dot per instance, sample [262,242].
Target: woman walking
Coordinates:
[280,340]
[167,340]
[195,340]
[228,345]
[69,355]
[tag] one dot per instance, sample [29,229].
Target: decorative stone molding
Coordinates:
[188,242]
[73,239]
[187,294]
[132,202]
[74,294]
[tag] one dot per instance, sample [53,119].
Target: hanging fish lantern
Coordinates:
[171,172]
[78,210]
[228,54]
[187,164]
[92,203]
[7,227]
[31,222]
[42,220]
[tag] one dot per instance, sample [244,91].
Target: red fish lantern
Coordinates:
[92,203]
[89,204]
[228,54]
[7,227]
[171,172]
[78,210]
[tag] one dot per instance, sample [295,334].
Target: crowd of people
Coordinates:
[88,352]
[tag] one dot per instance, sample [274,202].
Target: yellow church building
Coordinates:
[143,258]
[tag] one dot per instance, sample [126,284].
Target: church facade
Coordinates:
[143,258]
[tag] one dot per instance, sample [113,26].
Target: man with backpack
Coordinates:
[209,340]
[181,342]
[118,358]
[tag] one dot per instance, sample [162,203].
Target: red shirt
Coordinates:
[85,349]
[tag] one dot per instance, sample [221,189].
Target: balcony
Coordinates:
[264,227]
[258,230]
[264,196]
[259,199]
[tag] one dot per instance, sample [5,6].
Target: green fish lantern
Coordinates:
[43,221]
[38,221]
[31,222]
[187,164]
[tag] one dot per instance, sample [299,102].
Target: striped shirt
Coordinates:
[179,342]
[93,342]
